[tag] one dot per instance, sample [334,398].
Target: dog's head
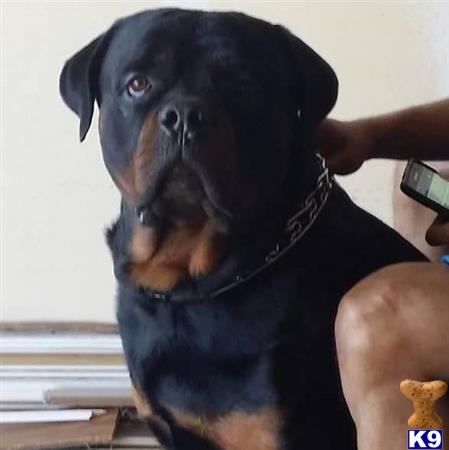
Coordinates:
[198,110]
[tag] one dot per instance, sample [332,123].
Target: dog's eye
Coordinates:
[138,85]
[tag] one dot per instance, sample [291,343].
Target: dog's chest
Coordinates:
[209,369]
[235,364]
[196,357]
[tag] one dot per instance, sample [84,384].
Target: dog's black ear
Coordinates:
[315,83]
[78,83]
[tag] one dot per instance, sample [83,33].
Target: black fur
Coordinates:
[270,341]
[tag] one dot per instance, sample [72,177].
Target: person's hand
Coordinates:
[438,233]
[344,145]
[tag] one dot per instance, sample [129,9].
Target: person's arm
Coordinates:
[420,132]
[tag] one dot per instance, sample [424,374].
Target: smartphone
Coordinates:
[423,184]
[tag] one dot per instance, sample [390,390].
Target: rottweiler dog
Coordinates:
[234,245]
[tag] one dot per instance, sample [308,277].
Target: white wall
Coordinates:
[56,196]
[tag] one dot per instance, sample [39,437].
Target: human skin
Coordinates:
[420,132]
[394,324]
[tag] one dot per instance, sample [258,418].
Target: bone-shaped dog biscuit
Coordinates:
[424,396]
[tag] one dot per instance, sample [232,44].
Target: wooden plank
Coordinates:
[98,431]
[61,343]
[54,416]
[59,327]
[89,398]
[33,359]
[132,433]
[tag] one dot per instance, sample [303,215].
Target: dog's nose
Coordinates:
[182,120]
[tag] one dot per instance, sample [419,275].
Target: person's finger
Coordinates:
[438,232]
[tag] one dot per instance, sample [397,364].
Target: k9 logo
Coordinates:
[425,439]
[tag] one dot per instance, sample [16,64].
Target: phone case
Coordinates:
[422,199]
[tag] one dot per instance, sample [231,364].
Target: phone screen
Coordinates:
[429,184]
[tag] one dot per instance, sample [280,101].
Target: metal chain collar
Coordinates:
[296,227]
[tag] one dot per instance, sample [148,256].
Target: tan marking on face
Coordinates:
[133,179]
[141,403]
[236,431]
[186,250]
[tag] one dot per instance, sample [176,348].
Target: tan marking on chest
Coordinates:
[144,241]
[239,430]
[188,250]
[161,258]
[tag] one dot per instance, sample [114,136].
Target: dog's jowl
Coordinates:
[234,244]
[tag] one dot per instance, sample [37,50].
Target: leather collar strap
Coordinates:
[295,228]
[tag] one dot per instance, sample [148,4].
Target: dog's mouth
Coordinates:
[182,195]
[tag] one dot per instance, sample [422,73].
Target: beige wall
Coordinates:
[56,197]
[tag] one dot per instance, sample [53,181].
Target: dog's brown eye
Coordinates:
[138,85]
